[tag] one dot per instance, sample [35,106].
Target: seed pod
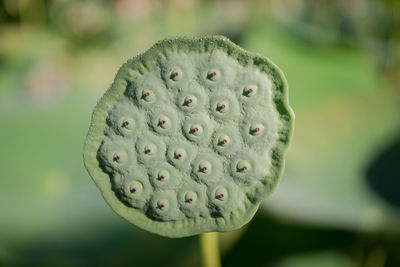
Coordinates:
[190,137]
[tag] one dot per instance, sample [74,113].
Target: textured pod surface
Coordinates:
[190,137]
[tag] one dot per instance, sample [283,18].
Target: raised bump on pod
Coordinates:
[223,140]
[190,197]
[223,107]
[213,75]
[176,75]
[162,204]
[196,130]
[190,101]
[148,95]
[243,166]
[164,122]
[136,188]
[128,123]
[120,156]
[163,175]
[180,153]
[256,129]
[125,119]
[205,167]
[250,90]
[150,149]
[221,194]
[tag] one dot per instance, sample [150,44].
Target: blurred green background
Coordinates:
[339,201]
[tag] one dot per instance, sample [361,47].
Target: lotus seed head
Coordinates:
[181,139]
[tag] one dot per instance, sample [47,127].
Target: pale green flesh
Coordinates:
[195,152]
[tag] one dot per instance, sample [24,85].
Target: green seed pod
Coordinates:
[190,137]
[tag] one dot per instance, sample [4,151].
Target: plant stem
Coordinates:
[209,249]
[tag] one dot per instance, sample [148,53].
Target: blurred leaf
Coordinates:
[317,259]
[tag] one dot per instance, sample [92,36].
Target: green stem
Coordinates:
[209,249]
